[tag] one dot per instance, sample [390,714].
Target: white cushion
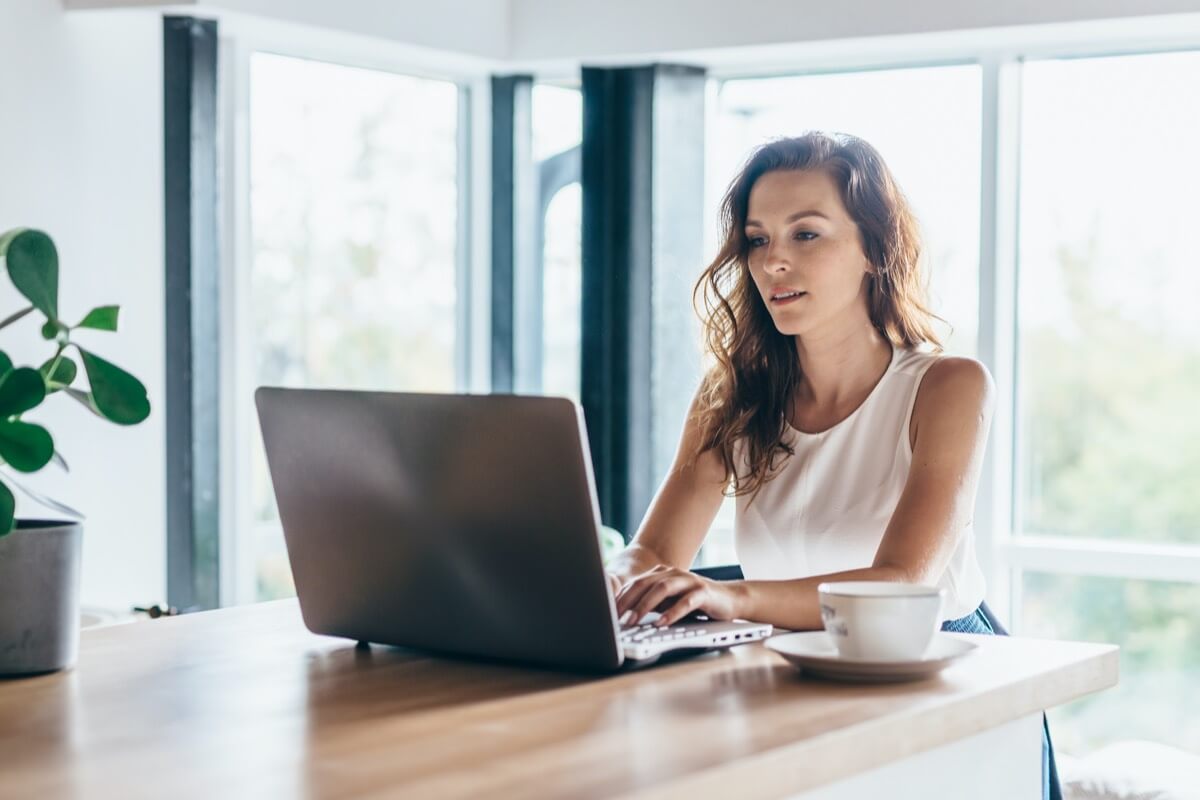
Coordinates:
[1131,770]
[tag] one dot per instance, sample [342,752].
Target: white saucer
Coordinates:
[813,652]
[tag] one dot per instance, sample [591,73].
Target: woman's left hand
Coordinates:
[677,593]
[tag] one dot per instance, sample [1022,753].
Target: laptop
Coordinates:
[460,524]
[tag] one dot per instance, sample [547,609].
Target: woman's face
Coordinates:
[802,239]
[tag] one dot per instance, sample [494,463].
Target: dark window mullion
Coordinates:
[192,311]
[631,177]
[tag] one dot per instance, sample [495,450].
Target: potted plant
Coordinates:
[39,559]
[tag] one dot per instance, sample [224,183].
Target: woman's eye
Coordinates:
[757,241]
[802,234]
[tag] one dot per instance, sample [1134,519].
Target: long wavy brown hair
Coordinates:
[744,396]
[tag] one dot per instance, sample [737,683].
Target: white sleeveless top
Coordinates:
[826,508]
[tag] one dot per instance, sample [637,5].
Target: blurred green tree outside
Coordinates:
[1111,450]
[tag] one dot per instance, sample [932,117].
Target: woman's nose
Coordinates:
[776,260]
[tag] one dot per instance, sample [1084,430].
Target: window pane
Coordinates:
[557,119]
[562,294]
[557,128]
[1109,370]
[1156,625]
[353,203]
[925,123]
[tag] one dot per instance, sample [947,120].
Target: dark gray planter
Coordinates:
[39,596]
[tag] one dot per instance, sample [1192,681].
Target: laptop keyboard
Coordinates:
[649,633]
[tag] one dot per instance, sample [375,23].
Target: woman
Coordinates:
[852,444]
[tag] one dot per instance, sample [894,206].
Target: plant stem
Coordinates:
[14,317]
[57,358]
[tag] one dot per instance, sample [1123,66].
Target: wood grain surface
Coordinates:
[244,702]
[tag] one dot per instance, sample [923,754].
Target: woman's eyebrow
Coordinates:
[792,218]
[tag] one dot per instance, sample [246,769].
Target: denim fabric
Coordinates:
[977,622]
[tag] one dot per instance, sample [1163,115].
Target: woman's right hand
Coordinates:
[614,583]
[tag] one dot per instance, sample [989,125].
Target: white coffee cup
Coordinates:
[881,620]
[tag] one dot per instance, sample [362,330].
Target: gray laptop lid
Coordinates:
[458,523]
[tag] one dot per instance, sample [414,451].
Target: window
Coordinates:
[1108,444]
[353,212]
[562,291]
[926,124]
[557,131]
[1156,625]
[1109,357]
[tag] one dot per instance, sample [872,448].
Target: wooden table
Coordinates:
[244,702]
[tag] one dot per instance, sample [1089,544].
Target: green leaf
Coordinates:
[5,363]
[20,390]
[85,399]
[7,238]
[117,395]
[33,266]
[103,318]
[64,373]
[25,446]
[8,509]
[51,330]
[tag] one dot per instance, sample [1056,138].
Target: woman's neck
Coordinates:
[840,369]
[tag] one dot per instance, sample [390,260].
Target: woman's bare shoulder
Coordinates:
[953,376]
[953,388]
[957,372]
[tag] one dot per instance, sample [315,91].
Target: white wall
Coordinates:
[530,31]
[586,29]
[475,27]
[81,157]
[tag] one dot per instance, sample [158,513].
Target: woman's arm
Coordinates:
[680,513]
[949,427]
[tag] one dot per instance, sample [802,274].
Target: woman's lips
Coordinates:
[785,300]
